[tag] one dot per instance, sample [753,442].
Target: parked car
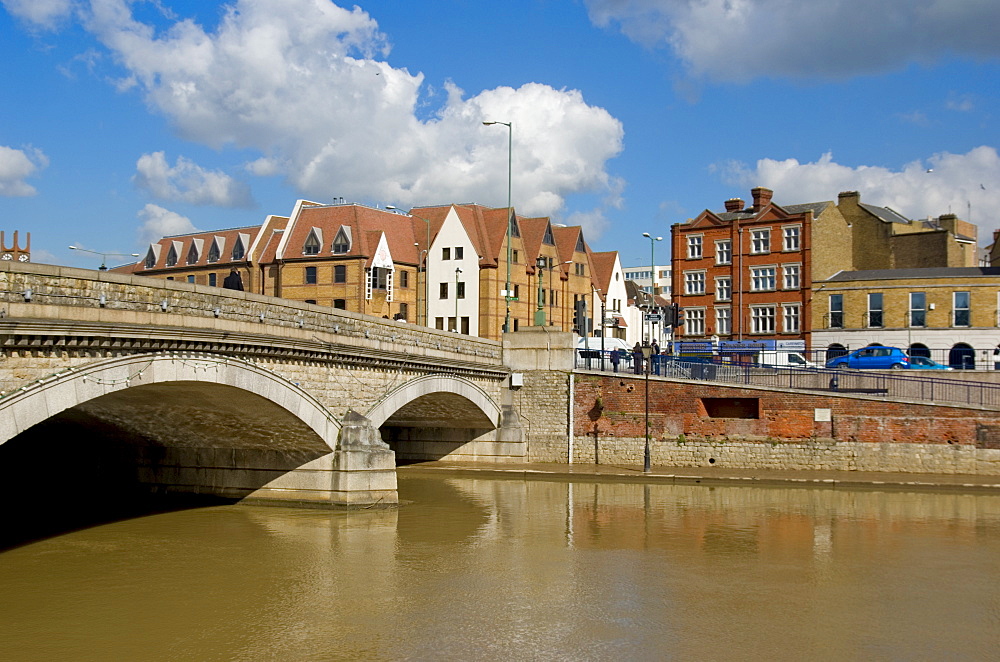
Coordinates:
[924,363]
[877,356]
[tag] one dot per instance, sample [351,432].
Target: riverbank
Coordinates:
[714,476]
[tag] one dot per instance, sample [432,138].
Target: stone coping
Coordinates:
[711,476]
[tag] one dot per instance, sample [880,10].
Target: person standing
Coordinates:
[233,281]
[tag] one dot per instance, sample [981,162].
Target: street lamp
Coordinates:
[647,351]
[104,256]
[458,271]
[540,263]
[427,254]
[652,275]
[510,142]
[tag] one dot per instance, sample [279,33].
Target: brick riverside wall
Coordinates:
[864,434]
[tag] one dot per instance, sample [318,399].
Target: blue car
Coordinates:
[872,357]
[924,363]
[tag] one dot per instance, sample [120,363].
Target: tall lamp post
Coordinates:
[458,272]
[427,254]
[104,256]
[506,292]
[652,275]
[647,351]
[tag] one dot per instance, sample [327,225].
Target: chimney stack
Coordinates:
[761,197]
[734,204]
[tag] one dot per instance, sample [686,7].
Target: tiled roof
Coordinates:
[366,225]
[924,272]
[203,242]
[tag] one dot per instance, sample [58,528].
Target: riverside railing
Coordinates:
[890,384]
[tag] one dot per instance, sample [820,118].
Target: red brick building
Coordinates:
[746,273]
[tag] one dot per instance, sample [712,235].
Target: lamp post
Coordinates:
[458,272]
[103,255]
[652,275]
[647,351]
[510,142]
[540,310]
[427,253]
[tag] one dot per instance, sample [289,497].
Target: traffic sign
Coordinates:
[653,317]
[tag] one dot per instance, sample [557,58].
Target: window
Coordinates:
[960,305]
[212,280]
[192,256]
[379,278]
[311,247]
[460,290]
[724,252]
[150,259]
[446,253]
[694,282]
[459,252]
[790,318]
[875,310]
[790,237]
[171,257]
[514,256]
[190,279]
[340,273]
[213,252]
[404,278]
[465,325]
[341,243]
[238,249]
[760,241]
[310,300]
[762,319]
[836,311]
[443,291]
[340,304]
[790,276]
[404,312]
[547,237]
[694,321]
[723,321]
[310,275]
[918,309]
[439,323]
[762,279]
[723,289]
[694,247]
[580,269]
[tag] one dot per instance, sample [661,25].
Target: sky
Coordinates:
[122,121]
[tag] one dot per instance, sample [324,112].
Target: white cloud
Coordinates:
[40,13]
[158,222]
[296,80]
[943,183]
[16,166]
[740,39]
[188,182]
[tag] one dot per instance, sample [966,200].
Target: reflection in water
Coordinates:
[489,569]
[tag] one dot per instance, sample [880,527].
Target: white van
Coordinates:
[784,359]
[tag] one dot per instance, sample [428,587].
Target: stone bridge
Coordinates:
[207,390]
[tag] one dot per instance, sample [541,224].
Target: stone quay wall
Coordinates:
[701,425]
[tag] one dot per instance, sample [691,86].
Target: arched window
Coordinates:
[962,357]
[835,350]
[919,349]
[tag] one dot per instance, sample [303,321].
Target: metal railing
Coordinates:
[889,384]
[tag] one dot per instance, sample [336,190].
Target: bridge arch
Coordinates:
[147,377]
[478,404]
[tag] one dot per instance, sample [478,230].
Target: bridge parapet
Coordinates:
[38,291]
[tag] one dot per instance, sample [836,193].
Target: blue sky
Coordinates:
[124,121]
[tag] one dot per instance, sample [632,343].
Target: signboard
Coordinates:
[653,317]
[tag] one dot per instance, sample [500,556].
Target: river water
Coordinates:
[485,569]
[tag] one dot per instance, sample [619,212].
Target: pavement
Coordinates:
[712,476]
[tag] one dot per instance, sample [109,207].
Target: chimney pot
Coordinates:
[761,197]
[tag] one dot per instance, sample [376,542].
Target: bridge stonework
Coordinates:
[243,395]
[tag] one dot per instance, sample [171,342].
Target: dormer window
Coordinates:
[311,247]
[238,249]
[172,256]
[150,259]
[213,252]
[192,256]
[547,239]
[342,242]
